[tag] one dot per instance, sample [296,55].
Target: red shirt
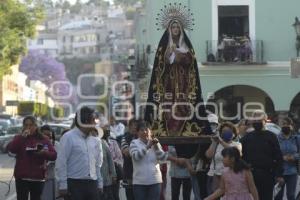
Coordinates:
[30,165]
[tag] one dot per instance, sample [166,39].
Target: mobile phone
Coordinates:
[39,147]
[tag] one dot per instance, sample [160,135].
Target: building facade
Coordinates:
[14,89]
[46,43]
[227,76]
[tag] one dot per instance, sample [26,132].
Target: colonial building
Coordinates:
[231,73]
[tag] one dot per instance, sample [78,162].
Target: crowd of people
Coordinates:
[242,162]
[234,49]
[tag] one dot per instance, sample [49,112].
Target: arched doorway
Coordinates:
[238,101]
[295,110]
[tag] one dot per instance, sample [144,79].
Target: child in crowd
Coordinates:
[237,181]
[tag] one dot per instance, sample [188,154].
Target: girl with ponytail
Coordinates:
[237,181]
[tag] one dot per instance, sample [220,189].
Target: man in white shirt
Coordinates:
[80,159]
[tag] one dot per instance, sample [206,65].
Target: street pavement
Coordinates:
[6,173]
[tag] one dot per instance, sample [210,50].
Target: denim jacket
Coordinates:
[288,146]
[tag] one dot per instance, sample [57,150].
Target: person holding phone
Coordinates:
[146,152]
[32,150]
[225,138]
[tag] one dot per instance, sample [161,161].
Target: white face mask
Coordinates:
[214,127]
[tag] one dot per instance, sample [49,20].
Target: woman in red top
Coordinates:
[32,150]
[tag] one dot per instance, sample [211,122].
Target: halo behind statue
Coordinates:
[177,12]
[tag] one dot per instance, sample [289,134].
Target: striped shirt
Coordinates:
[146,170]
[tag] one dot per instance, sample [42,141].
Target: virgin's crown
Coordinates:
[176,12]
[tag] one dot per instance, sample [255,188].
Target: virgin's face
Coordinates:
[175,29]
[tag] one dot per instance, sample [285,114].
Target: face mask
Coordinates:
[286,130]
[258,126]
[227,136]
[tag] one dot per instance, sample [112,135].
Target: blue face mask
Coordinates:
[227,136]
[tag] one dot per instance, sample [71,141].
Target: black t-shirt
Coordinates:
[186,150]
[262,151]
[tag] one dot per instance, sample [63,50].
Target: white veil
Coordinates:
[182,47]
[181,44]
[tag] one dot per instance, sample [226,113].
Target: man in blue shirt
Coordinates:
[289,145]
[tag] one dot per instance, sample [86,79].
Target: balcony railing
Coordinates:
[234,52]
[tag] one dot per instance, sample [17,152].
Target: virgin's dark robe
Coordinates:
[172,84]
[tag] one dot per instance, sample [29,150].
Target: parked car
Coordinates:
[7,138]
[4,125]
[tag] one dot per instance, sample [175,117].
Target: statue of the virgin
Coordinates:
[175,105]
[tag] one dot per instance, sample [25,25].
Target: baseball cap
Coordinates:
[212,118]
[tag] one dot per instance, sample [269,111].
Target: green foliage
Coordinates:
[130,13]
[58,112]
[76,8]
[38,109]
[101,3]
[103,101]
[28,108]
[66,5]
[18,22]
[77,66]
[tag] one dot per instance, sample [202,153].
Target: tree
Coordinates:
[18,22]
[76,8]
[130,13]
[128,2]
[43,68]
[66,5]
[77,66]
[47,70]
[101,3]
[47,3]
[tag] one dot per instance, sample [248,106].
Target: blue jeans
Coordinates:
[147,192]
[291,185]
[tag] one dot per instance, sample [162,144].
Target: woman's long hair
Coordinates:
[239,164]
